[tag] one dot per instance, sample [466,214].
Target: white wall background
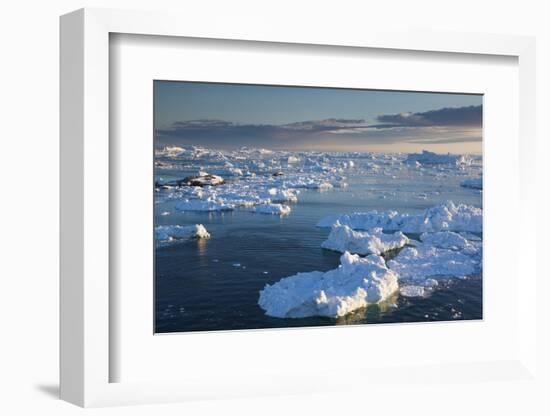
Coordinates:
[29,207]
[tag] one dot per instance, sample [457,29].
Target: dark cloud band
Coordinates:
[452,116]
[391,128]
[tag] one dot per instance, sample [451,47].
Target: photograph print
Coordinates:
[289,206]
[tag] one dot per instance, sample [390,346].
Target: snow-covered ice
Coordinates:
[440,255]
[446,216]
[273,209]
[342,238]
[166,233]
[357,282]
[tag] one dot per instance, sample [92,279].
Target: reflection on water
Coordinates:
[201,246]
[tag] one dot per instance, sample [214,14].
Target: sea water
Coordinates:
[214,284]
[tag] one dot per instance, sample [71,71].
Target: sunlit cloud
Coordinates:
[451,125]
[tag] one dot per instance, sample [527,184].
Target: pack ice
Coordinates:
[447,216]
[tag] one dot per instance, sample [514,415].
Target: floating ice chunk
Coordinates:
[203,205]
[357,282]
[280,195]
[413,291]
[474,183]
[273,209]
[236,171]
[321,186]
[342,238]
[425,261]
[170,151]
[204,179]
[165,233]
[293,159]
[447,216]
[430,158]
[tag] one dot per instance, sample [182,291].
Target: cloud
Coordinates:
[470,116]
[330,124]
[215,128]
[446,125]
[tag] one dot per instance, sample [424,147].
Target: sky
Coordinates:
[227,116]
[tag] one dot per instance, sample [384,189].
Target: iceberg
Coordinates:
[165,233]
[413,291]
[446,216]
[342,238]
[273,209]
[431,158]
[356,283]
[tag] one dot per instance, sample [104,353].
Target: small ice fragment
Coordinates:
[413,291]
[236,264]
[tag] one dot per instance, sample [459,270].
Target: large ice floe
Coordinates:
[447,216]
[168,233]
[342,238]
[356,283]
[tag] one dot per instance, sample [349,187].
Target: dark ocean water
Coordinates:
[214,284]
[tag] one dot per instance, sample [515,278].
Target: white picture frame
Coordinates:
[86,355]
